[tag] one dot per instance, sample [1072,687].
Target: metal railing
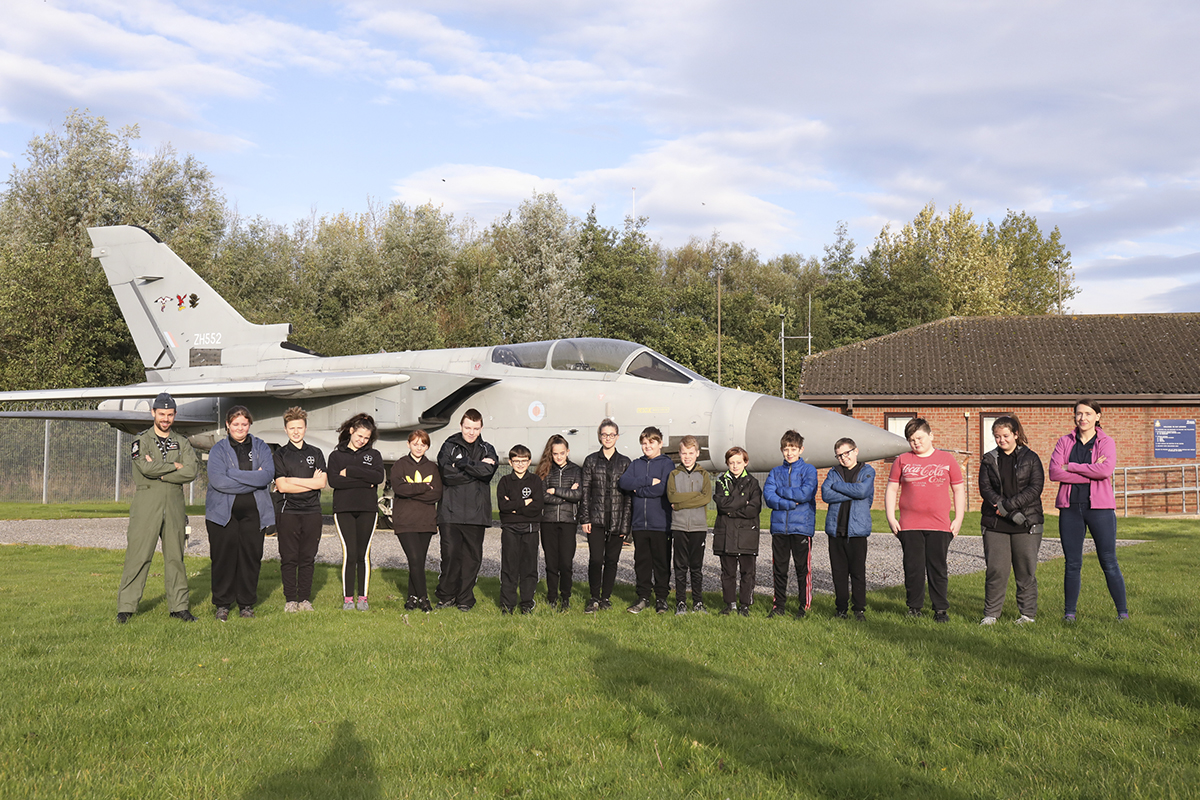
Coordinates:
[1184,489]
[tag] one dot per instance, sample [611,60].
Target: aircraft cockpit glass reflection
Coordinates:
[652,367]
[528,355]
[591,355]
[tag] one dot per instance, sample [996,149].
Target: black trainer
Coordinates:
[841,615]
[660,607]
[744,610]
[411,603]
[728,609]
[564,605]
[221,613]
[605,604]
[184,615]
[680,608]
[776,611]
[941,616]
[592,606]
[860,616]
[123,617]
[444,604]
[638,607]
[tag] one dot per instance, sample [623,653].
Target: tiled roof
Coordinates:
[1102,354]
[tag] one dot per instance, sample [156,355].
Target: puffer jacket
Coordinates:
[739,502]
[603,503]
[791,494]
[563,505]
[1028,499]
[651,509]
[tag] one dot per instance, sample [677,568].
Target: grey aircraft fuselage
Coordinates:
[197,347]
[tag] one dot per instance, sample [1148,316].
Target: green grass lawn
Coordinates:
[344,704]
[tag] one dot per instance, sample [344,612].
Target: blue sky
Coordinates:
[767,122]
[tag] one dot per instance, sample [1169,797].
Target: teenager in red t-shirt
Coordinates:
[925,528]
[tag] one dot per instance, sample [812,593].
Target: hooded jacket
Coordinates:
[791,494]
[466,481]
[651,510]
[739,503]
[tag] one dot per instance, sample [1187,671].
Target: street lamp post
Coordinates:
[783,352]
[720,275]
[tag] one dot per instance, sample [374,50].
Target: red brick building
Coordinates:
[962,373]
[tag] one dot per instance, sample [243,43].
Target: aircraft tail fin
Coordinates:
[177,320]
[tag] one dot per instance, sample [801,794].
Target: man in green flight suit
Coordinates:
[162,464]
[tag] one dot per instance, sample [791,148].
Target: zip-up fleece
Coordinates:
[689,493]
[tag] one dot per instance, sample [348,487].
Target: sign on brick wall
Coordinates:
[1174,438]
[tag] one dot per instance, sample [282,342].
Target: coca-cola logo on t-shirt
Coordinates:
[927,473]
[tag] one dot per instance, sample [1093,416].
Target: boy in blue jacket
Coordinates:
[849,489]
[791,494]
[646,479]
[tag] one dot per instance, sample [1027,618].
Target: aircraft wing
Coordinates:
[118,418]
[318,384]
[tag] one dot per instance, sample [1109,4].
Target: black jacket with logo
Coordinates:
[466,481]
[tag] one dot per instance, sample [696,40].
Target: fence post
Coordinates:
[117,473]
[46,467]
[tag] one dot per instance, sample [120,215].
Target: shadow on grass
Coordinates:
[347,771]
[732,729]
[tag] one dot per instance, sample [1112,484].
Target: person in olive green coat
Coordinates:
[162,465]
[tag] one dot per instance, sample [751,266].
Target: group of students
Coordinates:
[660,507]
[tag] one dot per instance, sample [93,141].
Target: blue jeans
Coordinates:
[1073,523]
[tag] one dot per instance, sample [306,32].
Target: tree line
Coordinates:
[397,277]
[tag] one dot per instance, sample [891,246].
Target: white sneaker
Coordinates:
[1022,620]
[306,605]
[988,621]
[291,607]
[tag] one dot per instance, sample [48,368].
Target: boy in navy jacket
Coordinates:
[849,489]
[646,478]
[519,496]
[791,492]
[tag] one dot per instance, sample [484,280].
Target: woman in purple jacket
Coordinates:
[1083,464]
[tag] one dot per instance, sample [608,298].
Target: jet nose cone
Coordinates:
[770,417]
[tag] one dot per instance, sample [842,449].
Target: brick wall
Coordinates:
[958,429]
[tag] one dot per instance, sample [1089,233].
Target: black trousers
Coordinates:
[652,564]
[462,555]
[925,557]
[745,566]
[558,545]
[518,568]
[299,538]
[604,551]
[416,551]
[796,547]
[689,561]
[848,565]
[236,549]
[355,528]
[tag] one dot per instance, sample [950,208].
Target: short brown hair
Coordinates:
[519,451]
[419,435]
[791,438]
[651,434]
[295,413]
[238,411]
[737,451]
[473,415]
[690,442]
[916,424]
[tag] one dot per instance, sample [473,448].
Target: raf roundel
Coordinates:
[537,410]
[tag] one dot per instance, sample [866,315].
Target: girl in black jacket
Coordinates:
[563,491]
[735,533]
[355,472]
[604,515]
[1010,482]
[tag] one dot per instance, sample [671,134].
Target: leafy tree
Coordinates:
[1039,268]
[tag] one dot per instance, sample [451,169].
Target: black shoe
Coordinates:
[841,615]
[916,612]
[592,606]
[776,611]
[411,603]
[247,612]
[860,616]
[605,604]
[744,610]
[728,609]
[184,615]
[526,610]
[123,617]
[424,605]
[465,609]
[660,607]
[638,607]
[221,613]
[444,604]
[941,616]
[680,608]
[564,605]
[506,610]
[698,608]
[801,614]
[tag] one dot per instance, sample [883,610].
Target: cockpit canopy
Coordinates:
[594,355]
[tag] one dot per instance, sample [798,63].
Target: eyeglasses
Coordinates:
[845,453]
[608,436]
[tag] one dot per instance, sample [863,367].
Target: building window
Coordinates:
[894,422]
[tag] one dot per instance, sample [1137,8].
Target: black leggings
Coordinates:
[355,529]
[558,544]
[416,549]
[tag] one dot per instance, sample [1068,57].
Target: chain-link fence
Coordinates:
[61,461]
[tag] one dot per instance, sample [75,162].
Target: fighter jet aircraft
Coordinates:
[200,349]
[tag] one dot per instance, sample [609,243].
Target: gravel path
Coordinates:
[884,566]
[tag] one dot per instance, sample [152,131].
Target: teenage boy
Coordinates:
[467,463]
[849,489]
[299,477]
[791,492]
[646,480]
[519,496]
[925,480]
[735,536]
[689,490]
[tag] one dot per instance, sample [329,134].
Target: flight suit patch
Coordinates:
[135,449]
